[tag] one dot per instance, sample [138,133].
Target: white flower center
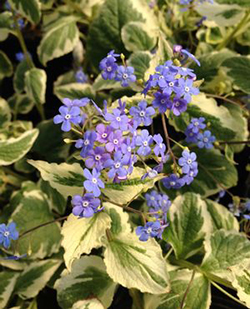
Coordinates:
[149,230]
[161,77]
[189,161]
[109,69]
[115,141]
[125,76]
[104,135]
[160,145]
[191,173]
[117,165]
[142,113]
[118,118]
[129,149]
[205,139]
[196,123]
[162,101]
[6,233]
[172,183]
[86,142]
[85,204]
[67,116]
[177,104]
[187,89]
[97,157]
[171,84]
[145,143]
[94,180]
[152,198]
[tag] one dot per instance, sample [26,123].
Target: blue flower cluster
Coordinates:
[158,204]
[8,233]
[111,70]
[172,86]
[194,134]
[189,169]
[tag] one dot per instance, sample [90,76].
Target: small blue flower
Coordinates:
[152,198]
[79,103]
[160,147]
[8,233]
[144,140]
[188,161]
[87,143]
[179,106]
[20,56]
[162,101]
[205,139]
[115,141]
[96,158]
[185,88]
[81,77]
[173,182]
[196,124]
[67,116]
[125,75]
[142,114]
[191,137]
[85,206]
[185,54]
[151,229]
[108,66]
[117,165]
[103,133]
[93,182]
[117,120]
[189,177]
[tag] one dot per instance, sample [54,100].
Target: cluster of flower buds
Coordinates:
[111,70]
[195,134]
[158,204]
[172,84]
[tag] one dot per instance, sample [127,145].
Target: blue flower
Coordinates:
[179,106]
[188,161]
[96,158]
[185,54]
[93,182]
[144,140]
[115,141]
[103,133]
[189,177]
[81,77]
[196,124]
[152,198]
[125,75]
[68,115]
[142,114]
[205,139]
[191,137]
[8,233]
[185,88]
[173,182]
[117,165]
[117,120]
[108,66]
[151,229]
[162,101]
[160,147]
[80,103]
[20,56]
[85,206]
[87,143]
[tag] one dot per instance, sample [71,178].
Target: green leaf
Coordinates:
[126,191]
[221,217]
[6,22]
[105,30]
[30,9]
[67,179]
[189,224]
[88,279]
[7,283]
[31,211]
[102,84]
[19,76]
[6,68]
[5,114]
[198,296]
[136,264]
[140,61]
[223,124]
[74,91]
[35,85]
[20,103]
[51,149]
[136,37]
[15,148]
[215,173]
[34,277]
[238,68]
[225,249]
[82,235]
[60,39]
[55,200]
[243,3]
[93,303]
[241,281]
[222,15]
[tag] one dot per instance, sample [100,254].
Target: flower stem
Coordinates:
[226,293]
[187,290]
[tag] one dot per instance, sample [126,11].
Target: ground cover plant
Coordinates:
[124,172]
